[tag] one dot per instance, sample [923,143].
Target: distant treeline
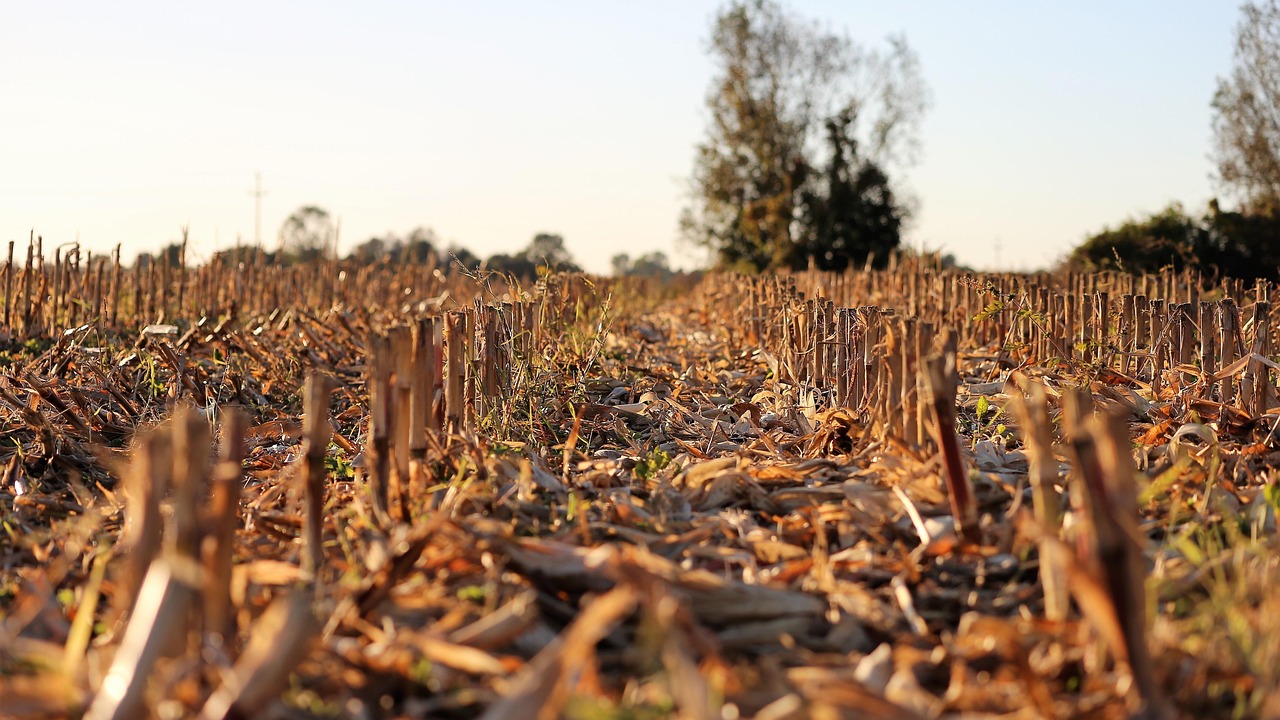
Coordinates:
[310,234]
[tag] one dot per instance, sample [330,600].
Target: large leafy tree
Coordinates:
[307,234]
[763,190]
[548,250]
[545,251]
[1246,107]
[849,213]
[650,264]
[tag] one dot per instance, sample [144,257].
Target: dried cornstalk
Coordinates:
[378,381]
[221,521]
[401,338]
[421,388]
[145,483]
[1113,509]
[8,290]
[280,640]
[540,687]
[190,481]
[316,433]
[160,615]
[455,372]
[940,373]
[1032,410]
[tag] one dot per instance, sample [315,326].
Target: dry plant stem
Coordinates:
[420,389]
[8,290]
[1208,334]
[906,401]
[28,279]
[917,423]
[540,684]
[455,370]
[378,587]
[1157,346]
[1098,536]
[56,293]
[190,480]
[82,627]
[1032,410]
[378,463]
[1262,348]
[1077,405]
[316,430]
[31,417]
[489,380]
[190,488]
[470,360]
[1227,315]
[145,483]
[222,520]
[280,640]
[159,616]
[890,419]
[1114,507]
[964,505]
[401,338]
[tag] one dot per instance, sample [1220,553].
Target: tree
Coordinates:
[307,234]
[651,264]
[173,254]
[545,252]
[1246,106]
[548,250]
[517,265]
[850,213]
[418,247]
[1232,244]
[370,251]
[1243,245]
[781,82]
[1168,239]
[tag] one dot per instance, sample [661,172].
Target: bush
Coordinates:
[1222,243]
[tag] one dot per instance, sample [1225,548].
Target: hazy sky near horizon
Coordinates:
[492,121]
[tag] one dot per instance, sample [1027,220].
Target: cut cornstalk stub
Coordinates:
[317,432]
[942,396]
[1032,411]
[1114,506]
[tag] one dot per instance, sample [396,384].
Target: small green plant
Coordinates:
[651,464]
[336,466]
[984,407]
[1271,493]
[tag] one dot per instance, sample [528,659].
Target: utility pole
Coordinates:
[257,194]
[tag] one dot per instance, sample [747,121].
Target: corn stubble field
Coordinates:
[341,491]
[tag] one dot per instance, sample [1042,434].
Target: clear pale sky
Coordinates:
[492,121]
